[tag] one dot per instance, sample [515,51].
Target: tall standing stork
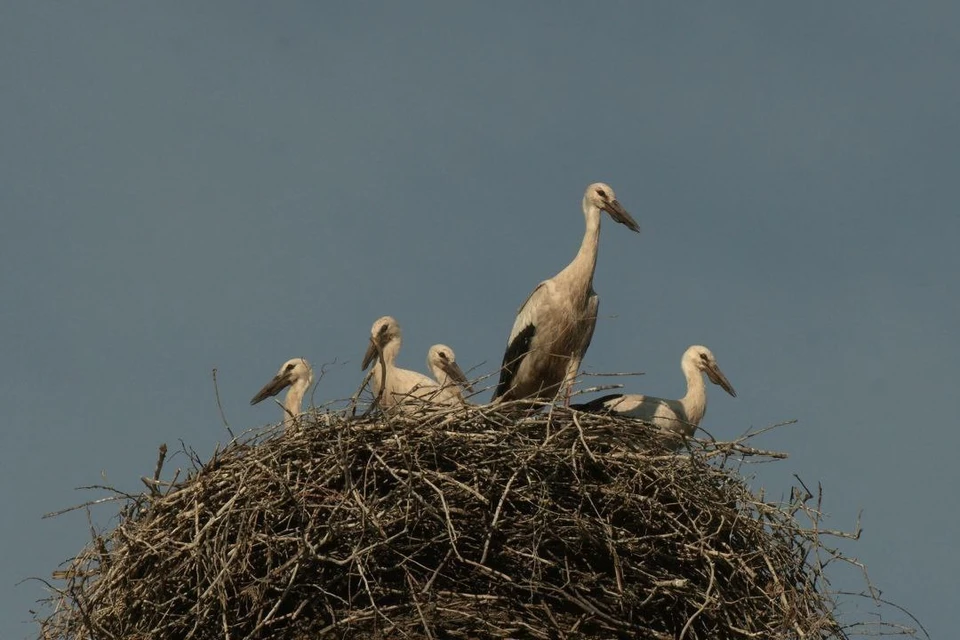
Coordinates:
[295,373]
[442,362]
[680,417]
[396,388]
[554,326]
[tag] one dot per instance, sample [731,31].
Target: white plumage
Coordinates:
[680,417]
[295,373]
[397,388]
[442,362]
[554,327]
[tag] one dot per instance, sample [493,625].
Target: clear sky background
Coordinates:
[196,185]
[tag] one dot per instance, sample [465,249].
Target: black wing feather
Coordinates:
[514,355]
[597,404]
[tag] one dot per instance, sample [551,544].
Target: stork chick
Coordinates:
[442,362]
[296,374]
[677,417]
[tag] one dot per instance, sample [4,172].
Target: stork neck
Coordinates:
[695,402]
[293,403]
[586,260]
[390,351]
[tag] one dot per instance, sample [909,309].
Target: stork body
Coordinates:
[397,388]
[678,417]
[554,327]
[295,373]
[442,362]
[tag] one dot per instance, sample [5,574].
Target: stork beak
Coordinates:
[453,370]
[716,377]
[370,355]
[272,388]
[619,214]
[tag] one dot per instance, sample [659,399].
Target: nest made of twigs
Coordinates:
[469,523]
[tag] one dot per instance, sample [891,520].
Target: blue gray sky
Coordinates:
[189,186]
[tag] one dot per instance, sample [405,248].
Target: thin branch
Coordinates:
[216,391]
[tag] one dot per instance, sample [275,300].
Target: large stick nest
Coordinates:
[466,524]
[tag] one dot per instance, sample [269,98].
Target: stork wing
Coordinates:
[593,310]
[514,355]
[603,403]
[633,405]
[524,328]
[526,314]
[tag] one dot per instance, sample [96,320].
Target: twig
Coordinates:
[216,391]
[497,521]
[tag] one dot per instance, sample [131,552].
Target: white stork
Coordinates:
[554,326]
[680,417]
[395,387]
[442,362]
[296,374]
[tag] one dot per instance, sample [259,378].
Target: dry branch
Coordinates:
[468,523]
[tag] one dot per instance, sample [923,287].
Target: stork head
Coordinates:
[443,363]
[599,195]
[292,371]
[384,331]
[703,359]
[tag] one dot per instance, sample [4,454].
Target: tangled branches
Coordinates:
[469,523]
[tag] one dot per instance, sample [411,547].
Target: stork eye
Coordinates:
[290,367]
[383,329]
[703,357]
[443,355]
[601,193]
